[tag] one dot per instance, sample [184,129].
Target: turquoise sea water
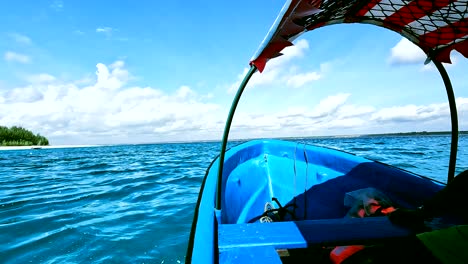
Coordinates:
[134,203]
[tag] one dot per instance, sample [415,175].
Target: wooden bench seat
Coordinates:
[247,241]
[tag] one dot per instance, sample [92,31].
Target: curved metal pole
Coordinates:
[453,117]
[226,133]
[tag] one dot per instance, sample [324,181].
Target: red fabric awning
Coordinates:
[436,26]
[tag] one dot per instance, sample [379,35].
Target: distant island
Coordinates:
[18,136]
[422,133]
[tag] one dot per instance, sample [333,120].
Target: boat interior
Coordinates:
[310,185]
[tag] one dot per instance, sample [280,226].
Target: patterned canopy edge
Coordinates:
[436,26]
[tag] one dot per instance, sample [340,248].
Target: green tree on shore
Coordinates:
[18,136]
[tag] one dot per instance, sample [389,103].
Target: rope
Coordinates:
[277,214]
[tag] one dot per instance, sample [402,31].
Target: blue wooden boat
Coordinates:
[274,201]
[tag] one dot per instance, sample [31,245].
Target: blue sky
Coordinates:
[107,72]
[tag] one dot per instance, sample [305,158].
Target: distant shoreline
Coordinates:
[46,147]
[423,133]
[402,134]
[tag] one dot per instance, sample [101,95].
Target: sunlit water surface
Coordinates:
[134,203]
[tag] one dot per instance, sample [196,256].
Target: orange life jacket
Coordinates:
[341,253]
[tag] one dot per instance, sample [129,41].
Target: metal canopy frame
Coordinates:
[453,119]
[227,128]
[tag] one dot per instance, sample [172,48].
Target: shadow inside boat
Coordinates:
[326,200]
[319,213]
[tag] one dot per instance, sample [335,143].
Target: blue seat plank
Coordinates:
[249,255]
[300,234]
[278,235]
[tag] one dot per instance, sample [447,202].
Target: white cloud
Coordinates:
[108,110]
[40,78]
[352,111]
[105,30]
[185,92]
[300,79]
[21,39]
[280,70]
[411,113]
[332,112]
[16,57]
[113,79]
[23,95]
[405,52]
[330,104]
[334,115]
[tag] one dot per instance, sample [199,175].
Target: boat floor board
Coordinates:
[302,234]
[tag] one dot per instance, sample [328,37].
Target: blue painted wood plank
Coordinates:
[250,255]
[278,235]
[301,234]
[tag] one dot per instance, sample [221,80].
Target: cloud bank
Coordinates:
[108,110]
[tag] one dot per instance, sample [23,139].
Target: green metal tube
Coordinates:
[453,117]
[226,133]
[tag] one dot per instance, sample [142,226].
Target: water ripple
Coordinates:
[134,204]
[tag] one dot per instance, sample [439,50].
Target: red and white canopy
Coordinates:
[436,26]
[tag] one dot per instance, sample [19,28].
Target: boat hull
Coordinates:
[313,179]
